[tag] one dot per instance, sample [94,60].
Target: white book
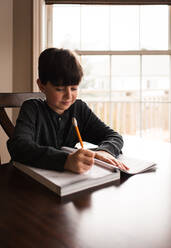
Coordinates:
[65,183]
[135,165]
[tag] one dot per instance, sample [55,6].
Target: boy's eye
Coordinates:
[73,88]
[63,89]
[59,89]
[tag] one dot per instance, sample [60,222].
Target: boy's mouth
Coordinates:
[66,103]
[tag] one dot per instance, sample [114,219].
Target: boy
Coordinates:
[43,127]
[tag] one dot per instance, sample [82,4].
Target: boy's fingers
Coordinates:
[121,165]
[125,167]
[88,160]
[87,153]
[117,163]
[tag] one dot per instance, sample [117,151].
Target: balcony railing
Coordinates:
[148,117]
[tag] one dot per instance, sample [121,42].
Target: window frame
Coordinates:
[48,38]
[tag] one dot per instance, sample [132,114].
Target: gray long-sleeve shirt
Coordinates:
[40,132]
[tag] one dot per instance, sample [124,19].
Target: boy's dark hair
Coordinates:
[60,67]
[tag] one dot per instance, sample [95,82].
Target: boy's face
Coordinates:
[59,98]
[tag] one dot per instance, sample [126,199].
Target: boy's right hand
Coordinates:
[79,161]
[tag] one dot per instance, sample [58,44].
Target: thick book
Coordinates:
[135,165]
[66,183]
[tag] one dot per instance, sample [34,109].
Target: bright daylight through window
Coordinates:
[125,53]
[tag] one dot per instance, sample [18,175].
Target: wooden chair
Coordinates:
[13,100]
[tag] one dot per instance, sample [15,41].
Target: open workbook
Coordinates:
[135,165]
[65,183]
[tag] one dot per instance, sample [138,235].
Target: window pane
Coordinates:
[155,78]
[95,27]
[155,83]
[95,85]
[154,27]
[155,121]
[125,117]
[66,26]
[124,28]
[125,83]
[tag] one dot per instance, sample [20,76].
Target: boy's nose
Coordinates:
[68,93]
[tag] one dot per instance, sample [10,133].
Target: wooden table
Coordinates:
[134,212]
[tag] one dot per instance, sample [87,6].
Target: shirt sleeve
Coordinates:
[97,132]
[23,148]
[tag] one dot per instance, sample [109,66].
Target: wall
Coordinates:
[22,45]
[16,52]
[6,45]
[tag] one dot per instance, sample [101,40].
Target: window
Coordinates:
[125,53]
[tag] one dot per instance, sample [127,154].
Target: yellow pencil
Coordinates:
[74,122]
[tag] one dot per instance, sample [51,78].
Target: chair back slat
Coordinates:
[6,123]
[12,100]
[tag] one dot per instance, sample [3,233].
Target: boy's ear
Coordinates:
[41,86]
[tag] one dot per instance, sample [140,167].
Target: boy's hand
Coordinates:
[107,157]
[79,161]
